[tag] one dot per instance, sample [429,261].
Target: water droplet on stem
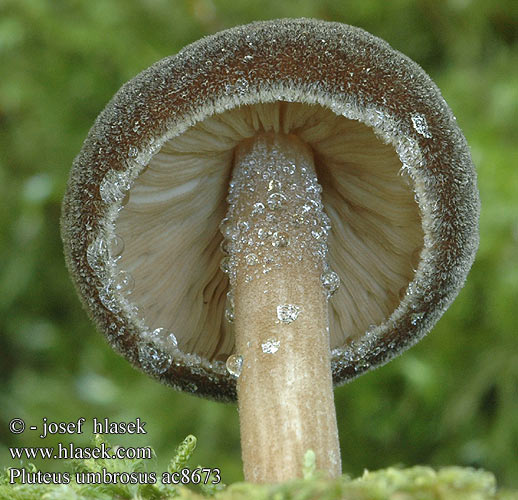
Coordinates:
[234,365]
[288,313]
[271,346]
[331,282]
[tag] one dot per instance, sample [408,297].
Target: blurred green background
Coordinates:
[452,399]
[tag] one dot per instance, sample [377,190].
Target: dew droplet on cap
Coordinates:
[416,317]
[114,186]
[172,340]
[124,282]
[152,359]
[116,245]
[97,255]
[108,300]
[242,85]
[421,125]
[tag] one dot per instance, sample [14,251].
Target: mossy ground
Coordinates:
[420,482]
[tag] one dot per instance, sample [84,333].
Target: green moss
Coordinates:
[423,483]
[420,482]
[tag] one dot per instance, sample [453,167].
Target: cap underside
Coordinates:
[148,191]
[169,224]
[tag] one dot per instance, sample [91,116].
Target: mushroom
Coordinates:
[275,210]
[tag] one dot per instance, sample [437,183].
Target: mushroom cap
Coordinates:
[398,185]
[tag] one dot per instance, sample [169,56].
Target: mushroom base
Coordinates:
[277,259]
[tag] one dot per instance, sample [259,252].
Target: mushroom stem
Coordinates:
[277,243]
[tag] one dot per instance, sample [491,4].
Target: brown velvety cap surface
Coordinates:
[147,193]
